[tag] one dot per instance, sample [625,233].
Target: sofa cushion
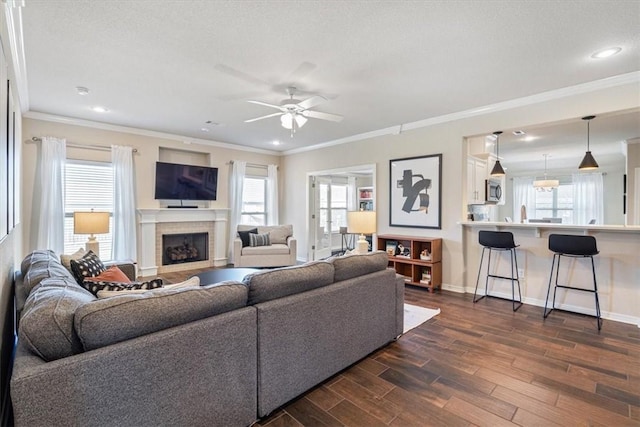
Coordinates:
[273,249]
[259,240]
[111,320]
[87,266]
[280,282]
[40,265]
[96,286]
[46,325]
[350,266]
[277,233]
[244,235]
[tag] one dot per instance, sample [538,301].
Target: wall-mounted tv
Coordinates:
[185,182]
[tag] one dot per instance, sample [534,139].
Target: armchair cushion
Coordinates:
[259,240]
[277,233]
[244,236]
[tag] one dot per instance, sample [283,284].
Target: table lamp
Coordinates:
[361,222]
[91,223]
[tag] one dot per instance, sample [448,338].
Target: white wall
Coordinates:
[446,138]
[148,153]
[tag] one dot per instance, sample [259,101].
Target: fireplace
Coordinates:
[184,247]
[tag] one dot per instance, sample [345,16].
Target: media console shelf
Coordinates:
[418,259]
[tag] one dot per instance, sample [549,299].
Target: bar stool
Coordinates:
[575,247]
[499,241]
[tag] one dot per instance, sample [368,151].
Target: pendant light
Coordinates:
[588,162]
[545,184]
[497,168]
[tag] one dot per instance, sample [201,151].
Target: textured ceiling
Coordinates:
[170,66]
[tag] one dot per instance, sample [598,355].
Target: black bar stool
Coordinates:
[499,241]
[576,247]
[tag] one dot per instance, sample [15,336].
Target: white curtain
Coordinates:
[53,156]
[238,171]
[273,217]
[588,198]
[124,204]
[523,195]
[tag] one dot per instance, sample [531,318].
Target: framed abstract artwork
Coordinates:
[415,192]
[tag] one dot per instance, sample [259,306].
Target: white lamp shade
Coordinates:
[286,120]
[546,184]
[300,120]
[90,222]
[361,222]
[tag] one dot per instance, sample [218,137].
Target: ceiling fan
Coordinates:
[294,113]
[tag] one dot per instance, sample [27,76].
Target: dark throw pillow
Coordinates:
[244,236]
[87,266]
[259,240]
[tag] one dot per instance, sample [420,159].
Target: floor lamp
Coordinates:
[361,222]
[91,223]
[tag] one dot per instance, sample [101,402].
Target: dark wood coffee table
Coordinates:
[221,274]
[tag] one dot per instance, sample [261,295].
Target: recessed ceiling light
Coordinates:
[276,142]
[518,132]
[82,90]
[605,53]
[204,129]
[99,109]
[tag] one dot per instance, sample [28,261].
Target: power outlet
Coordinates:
[521,273]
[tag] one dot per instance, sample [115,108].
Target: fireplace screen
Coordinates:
[181,248]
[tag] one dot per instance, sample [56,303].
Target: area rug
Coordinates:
[415,316]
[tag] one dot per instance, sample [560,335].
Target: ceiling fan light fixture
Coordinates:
[287,121]
[300,120]
[588,162]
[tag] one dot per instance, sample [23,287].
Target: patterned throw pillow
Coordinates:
[95,287]
[193,282]
[87,266]
[259,240]
[111,274]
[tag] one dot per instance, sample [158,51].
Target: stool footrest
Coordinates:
[576,288]
[503,277]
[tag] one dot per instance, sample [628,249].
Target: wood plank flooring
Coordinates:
[482,365]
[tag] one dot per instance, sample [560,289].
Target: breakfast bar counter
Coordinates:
[617,266]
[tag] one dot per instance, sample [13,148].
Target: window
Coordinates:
[254,201]
[88,185]
[336,202]
[557,203]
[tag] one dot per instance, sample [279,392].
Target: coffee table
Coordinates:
[221,274]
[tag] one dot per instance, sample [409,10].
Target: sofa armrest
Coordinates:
[293,244]
[128,267]
[237,251]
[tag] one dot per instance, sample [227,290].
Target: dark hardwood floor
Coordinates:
[481,364]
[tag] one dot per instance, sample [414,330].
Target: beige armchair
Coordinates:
[280,252]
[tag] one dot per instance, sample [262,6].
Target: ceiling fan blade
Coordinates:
[267,105]
[301,72]
[240,75]
[322,116]
[312,102]
[264,117]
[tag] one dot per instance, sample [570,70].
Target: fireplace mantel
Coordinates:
[148,219]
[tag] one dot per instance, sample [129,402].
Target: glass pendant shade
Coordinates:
[497,170]
[300,120]
[588,162]
[287,121]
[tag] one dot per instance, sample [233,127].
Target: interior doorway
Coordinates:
[332,193]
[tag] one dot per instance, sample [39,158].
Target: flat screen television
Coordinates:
[185,182]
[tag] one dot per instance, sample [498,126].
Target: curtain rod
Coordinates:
[87,146]
[252,165]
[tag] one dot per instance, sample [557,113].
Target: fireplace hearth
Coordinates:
[184,247]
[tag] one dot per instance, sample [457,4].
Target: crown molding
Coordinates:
[142,132]
[609,82]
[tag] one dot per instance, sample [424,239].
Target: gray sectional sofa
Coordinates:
[220,354]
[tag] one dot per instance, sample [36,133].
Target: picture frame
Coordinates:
[415,192]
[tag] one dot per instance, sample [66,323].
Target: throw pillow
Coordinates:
[66,259]
[244,236]
[95,287]
[111,274]
[259,240]
[87,266]
[189,283]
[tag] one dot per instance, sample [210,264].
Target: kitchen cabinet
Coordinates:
[476,175]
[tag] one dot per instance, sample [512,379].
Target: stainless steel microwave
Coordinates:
[493,191]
